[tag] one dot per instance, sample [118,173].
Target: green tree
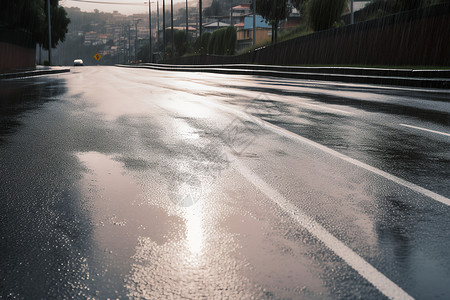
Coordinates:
[59,24]
[219,46]
[230,40]
[31,16]
[274,11]
[180,42]
[211,43]
[214,10]
[299,4]
[223,41]
[26,15]
[201,44]
[324,13]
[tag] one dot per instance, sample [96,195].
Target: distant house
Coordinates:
[90,38]
[293,19]
[263,31]
[102,38]
[213,26]
[357,5]
[238,13]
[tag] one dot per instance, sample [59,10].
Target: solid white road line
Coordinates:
[372,275]
[355,162]
[346,158]
[424,129]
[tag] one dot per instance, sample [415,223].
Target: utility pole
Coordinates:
[157,20]
[135,42]
[129,43]
[164,28]
[352,13]
[231,16]
[150,31]
[172,35]
[187,23]
[200,19]
[136,39]
[254,23]
[49,34]
[122,41]
[275,20]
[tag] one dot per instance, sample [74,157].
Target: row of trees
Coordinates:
[324,14]
[220,42]
[31,16]
[379,8]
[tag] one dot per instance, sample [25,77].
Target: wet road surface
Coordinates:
[131,183]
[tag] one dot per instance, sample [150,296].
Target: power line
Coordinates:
[107,2]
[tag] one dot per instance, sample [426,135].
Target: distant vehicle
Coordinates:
[78,62]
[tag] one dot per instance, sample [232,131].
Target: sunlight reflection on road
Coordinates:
[194,228]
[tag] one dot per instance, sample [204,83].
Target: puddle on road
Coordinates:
[120,218]
[139,251]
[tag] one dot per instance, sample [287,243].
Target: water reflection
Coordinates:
[44,226]
[20,96]
[194,228]
[413,240]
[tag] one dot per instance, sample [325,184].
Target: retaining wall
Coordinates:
[414,38]
[17,52]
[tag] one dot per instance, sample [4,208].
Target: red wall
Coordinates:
[13,57]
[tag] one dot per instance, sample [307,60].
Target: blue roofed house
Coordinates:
[245,31]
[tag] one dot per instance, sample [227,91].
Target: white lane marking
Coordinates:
[323,108]
[425,129]
[367,167]
[353,161]
[371,274]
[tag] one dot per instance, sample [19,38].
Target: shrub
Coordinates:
[201,43]
[223,41]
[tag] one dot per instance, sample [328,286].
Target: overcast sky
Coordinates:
[124,9]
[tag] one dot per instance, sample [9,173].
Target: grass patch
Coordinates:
[283,35]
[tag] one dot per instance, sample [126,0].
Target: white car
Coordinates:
[78,62]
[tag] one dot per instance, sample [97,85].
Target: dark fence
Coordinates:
[414,38]
[17,50]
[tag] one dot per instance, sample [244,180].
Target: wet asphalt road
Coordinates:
[133,183]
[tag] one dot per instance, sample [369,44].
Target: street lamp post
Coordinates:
[352,13]
[200,19]
[129,44]
[150,31]
[164,29]
[136,39]
[254,23]
[187,23]
[49,34]
[172,35]
[157,21]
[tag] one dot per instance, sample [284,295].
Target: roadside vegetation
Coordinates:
[31,16]
[317,15]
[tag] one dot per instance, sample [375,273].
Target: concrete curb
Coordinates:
[439,79]
[33,73]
